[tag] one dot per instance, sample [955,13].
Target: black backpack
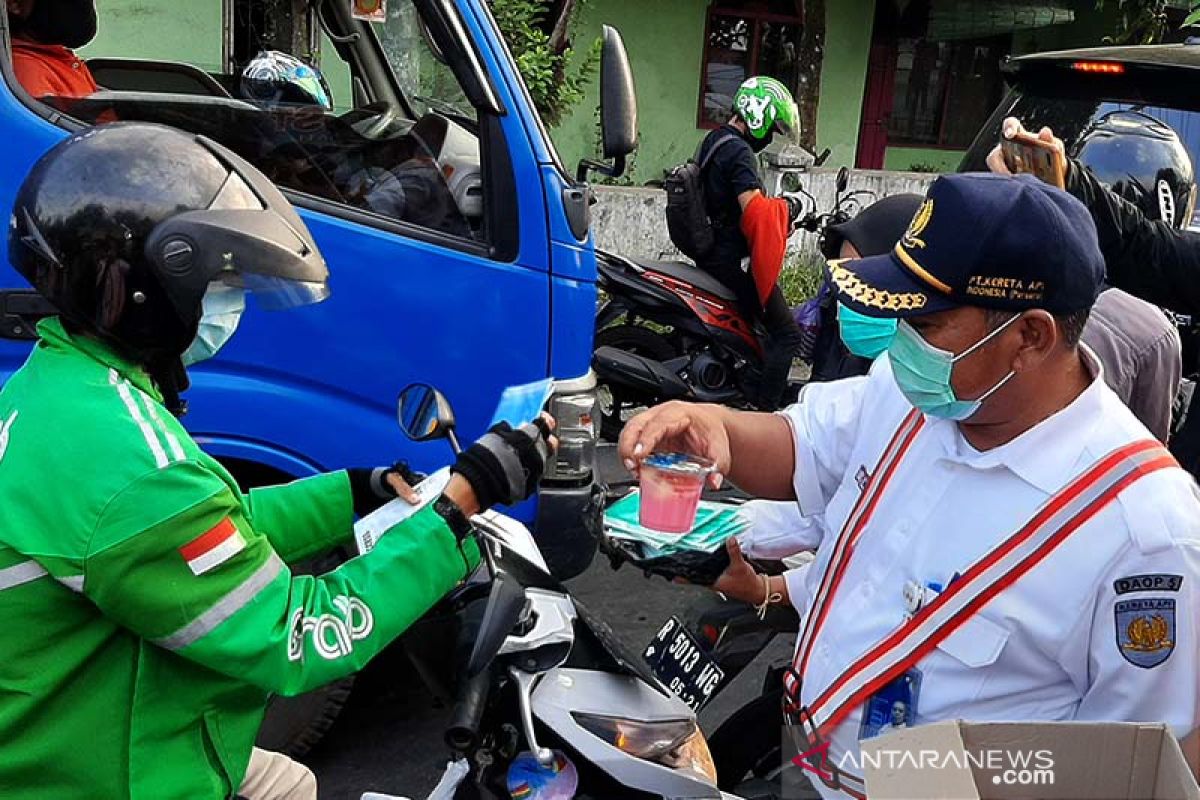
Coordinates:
[688,222]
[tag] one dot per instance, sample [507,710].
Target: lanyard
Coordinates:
[843,548]
[1054,522]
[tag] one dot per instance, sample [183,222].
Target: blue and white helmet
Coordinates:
[277,77]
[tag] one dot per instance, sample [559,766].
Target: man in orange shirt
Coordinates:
[44,34]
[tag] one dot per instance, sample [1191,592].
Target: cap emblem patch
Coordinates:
[920,221]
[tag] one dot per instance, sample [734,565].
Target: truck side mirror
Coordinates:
[425,413]
[618,108]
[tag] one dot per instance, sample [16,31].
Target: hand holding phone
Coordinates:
[1026,153]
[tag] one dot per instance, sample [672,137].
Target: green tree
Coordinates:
[1144,21]
[539,34]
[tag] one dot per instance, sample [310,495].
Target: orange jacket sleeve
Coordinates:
[765,226]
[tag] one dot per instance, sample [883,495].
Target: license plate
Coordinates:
[682,664]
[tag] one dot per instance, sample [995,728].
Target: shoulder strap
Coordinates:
[1054,522]
[717,145]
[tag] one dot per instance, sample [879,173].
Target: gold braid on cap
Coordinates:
[869,296]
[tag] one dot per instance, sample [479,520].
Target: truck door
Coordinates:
[418,185]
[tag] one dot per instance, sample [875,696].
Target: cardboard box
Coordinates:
[1044,760]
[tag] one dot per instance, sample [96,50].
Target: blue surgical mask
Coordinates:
[865,337]
[922,372]
[221,311]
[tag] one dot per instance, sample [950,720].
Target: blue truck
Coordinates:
[458,244]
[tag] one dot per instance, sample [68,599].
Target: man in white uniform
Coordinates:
[1004,540]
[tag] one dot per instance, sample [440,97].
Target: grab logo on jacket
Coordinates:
[5,426]
[332,637]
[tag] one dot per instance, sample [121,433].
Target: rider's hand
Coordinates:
[507,463]
[676,426]
[371,488]
[739,580]
[1010,128]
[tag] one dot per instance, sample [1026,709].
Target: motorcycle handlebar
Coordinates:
[463,731]
[471,694]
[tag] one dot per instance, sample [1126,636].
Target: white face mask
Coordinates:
[221,311]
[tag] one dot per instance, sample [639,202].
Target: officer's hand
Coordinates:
[1010,128]
[506,464]
[676,426]
[739,580]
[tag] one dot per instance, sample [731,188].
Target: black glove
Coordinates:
[370,489]
[795,208]
[505,465]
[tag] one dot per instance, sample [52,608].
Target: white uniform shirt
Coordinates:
[1047,647]
[778,531]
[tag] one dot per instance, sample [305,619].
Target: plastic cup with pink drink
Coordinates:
[671,485]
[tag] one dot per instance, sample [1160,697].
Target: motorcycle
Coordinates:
[700,653]
[544,690]
[669,330]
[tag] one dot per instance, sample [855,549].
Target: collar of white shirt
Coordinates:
[1037,456]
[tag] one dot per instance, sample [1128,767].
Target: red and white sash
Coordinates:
[1054,522]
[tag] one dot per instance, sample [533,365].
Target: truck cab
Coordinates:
[458,244]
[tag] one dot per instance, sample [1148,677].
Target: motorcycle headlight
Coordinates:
[678,744]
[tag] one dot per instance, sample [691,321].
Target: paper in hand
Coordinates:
[369,529]
[521,404]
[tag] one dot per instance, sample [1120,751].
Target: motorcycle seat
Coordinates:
[690,274]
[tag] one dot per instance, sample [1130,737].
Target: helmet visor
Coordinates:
[249,236]
[273,293]
[787,126]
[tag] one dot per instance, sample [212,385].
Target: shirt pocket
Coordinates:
[968,653]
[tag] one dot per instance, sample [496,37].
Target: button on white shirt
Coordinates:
[1045,648]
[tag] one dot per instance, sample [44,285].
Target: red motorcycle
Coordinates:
[668,330]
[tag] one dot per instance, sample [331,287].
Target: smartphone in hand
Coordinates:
[1026,153]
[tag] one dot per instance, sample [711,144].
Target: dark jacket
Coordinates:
[1147,258]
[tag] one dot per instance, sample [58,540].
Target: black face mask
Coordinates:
[758,145]
[71,23]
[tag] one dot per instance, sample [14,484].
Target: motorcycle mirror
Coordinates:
[505,604]
[843,179]
[790,182]
[425,414]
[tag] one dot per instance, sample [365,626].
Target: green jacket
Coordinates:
[149,608]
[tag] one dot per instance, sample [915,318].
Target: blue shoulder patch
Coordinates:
[1148,583]
[1145,630]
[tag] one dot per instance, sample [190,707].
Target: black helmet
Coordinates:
[1141,159]
[124,226]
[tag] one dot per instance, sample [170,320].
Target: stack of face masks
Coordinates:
[715,522]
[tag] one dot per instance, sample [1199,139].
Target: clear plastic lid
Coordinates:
[680,463]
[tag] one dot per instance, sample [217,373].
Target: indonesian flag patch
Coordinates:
[213,548]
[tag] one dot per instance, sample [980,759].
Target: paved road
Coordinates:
[389,740]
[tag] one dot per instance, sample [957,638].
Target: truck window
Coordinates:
[403,146]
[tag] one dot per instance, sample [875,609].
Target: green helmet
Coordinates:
[765,104]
